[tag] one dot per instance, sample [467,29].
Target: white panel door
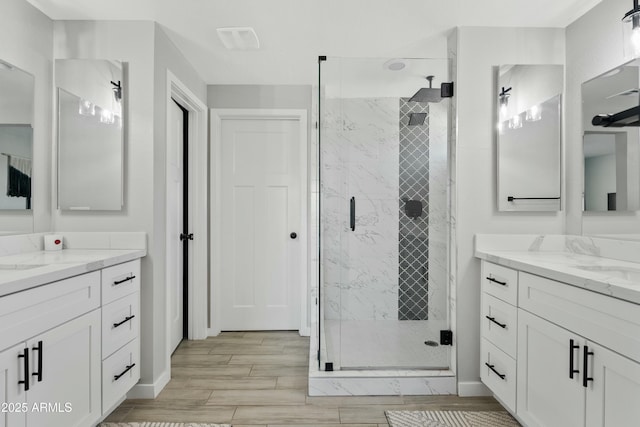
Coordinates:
[175,216]
[260,209]
[546,395]
[612,396]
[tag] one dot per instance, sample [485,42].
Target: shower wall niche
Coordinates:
[383,219]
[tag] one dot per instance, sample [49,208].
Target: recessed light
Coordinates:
[239,38]
[395,64]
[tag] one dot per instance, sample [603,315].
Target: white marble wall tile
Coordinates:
[104,240]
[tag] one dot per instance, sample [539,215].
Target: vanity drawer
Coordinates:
[120,323]
[499,281]
[606,320]
[498,372]
[120,280]
[120,372]
[28,313]
[500,323]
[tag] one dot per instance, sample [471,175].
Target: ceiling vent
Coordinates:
[239,38]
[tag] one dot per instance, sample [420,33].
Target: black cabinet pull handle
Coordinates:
[25,356]
[128,368]
[119,282]
[39,349]
[126,319]
[352,214]
[572,348]
[491,279]
[585,366]
[493,368]
[493,319]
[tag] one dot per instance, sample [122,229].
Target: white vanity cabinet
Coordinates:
[51,374]
[577,356]
[60,350]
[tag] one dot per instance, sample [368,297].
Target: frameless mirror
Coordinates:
[16,149]
[529,137]
[611,143]
[90,134]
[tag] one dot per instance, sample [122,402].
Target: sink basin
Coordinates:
[627,273]
[20,266]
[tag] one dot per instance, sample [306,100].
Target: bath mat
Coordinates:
[450,419]
[148,424]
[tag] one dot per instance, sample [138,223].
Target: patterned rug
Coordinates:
[146,424]
[450,419]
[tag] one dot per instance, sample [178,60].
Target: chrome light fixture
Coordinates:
[632,32]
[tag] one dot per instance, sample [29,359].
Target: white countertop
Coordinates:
[617,278]
[17,272]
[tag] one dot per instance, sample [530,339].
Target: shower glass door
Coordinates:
[384,214]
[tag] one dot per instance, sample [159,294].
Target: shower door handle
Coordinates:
[352,215]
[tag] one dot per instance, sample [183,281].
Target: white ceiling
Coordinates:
[293,33]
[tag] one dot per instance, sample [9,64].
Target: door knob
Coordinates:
[293,235]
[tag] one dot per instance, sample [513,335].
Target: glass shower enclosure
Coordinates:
[383,214]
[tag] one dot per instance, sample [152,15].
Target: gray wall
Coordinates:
[479,51]
[26,33]
[147,53]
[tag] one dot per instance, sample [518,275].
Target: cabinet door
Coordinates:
[12,394]
[546,396]
[613,397]
[68,392]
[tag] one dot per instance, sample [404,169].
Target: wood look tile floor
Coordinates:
[260,379]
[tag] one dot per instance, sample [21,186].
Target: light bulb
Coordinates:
[635,40]
[515,122]
[534,114]
[86,108]
[107,117]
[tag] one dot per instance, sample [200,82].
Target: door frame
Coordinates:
[216,117]
[197,213]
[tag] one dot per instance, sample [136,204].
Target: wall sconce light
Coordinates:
[107,117]
[632,32]
[117,90]
[503,98]
[533,114]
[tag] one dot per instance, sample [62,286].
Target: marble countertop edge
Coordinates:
[589,272]
[55,266]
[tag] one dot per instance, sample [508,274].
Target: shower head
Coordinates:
[417,119]
[427,94]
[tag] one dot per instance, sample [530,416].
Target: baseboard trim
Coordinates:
[149,391]
[473,388]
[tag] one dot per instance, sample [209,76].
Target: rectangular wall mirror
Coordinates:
[16,138]
[529,101]
[90,134]
[611,143]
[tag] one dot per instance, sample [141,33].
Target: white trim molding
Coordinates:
[473,388]
[216,117]
[197,216]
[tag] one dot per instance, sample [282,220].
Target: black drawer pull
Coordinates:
[572,348]
[352,214]
[117,377]
[25,356]
[492,367]
[491,279]
[493,319]
[585,366]
[39,349]
[119,282]
[126,319]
